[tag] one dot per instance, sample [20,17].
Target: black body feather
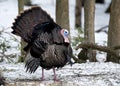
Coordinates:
[46,46]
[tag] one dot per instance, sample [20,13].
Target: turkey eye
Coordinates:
[66,33]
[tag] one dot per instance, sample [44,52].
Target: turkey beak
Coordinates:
[66,38]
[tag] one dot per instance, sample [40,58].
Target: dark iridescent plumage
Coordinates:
[46,46]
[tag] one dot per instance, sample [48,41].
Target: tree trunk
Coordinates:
[114,28]
[62,13]
[27,2]
[78,9]
[20,9]
[20,5]
[89,9]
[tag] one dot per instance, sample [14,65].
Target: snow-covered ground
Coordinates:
[85,74]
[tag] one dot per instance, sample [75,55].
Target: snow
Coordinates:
[84,74]
[91,74]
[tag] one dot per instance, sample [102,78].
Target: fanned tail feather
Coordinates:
[32,64]
[24,23]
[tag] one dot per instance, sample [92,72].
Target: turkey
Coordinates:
[48,44]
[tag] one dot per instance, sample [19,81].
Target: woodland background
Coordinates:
[94,29]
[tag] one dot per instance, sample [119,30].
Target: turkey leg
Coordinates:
[42,78]
[55,76]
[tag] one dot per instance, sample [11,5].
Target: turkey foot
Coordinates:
[55,76]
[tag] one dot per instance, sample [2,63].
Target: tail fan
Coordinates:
[32,64]
[24,23]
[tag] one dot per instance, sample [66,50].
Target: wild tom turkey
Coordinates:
[48,44]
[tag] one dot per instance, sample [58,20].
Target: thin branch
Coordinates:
[102,29]
[98,47]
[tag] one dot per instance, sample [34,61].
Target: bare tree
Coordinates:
[89,9]
[20,9]
[62,13]
[114,29]
[27,2]
[78,13]
[20,5]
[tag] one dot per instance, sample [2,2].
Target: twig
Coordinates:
[102,29]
